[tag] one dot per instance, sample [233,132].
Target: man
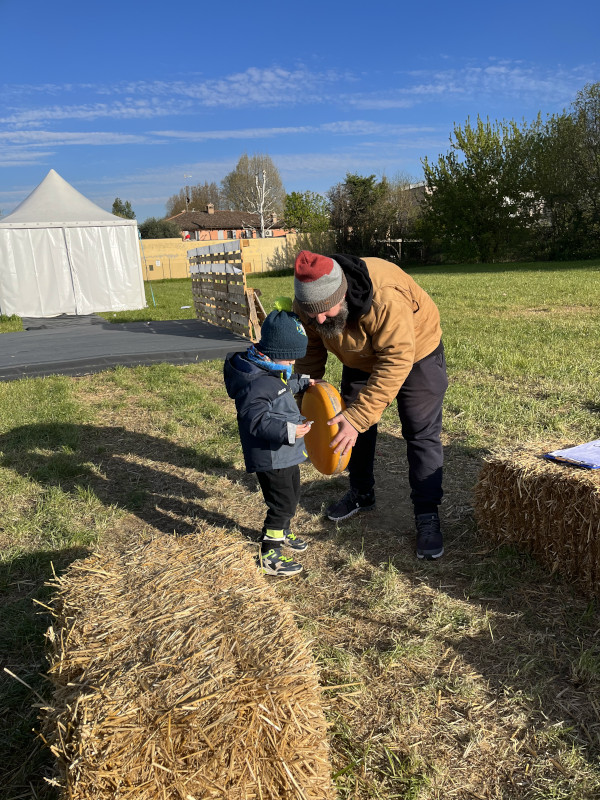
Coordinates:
[386,332]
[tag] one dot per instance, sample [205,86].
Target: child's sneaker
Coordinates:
[273,562]
[283,538]
[293,541]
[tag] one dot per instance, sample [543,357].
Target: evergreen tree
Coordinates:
[362,214]
[121,209]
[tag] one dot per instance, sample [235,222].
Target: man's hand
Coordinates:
[345,437]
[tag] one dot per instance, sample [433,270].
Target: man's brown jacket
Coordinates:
[401,326]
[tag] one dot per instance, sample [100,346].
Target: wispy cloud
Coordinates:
[341,128]
[45,138]
[133,109]
[277,87]
[502,79]
[255,86]
[146,99]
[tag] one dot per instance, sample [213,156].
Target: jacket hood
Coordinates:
[238,372]
[359,295]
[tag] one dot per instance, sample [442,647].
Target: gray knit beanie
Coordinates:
[319,282]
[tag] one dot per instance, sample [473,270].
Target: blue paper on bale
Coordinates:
[583,455]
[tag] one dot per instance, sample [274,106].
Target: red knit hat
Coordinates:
[319,282]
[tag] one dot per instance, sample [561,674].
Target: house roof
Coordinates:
[219,220]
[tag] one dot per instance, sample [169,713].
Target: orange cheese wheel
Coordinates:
[320,403]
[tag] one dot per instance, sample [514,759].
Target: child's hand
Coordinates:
[303,429]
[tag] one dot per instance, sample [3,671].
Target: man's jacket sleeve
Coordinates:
[392,335]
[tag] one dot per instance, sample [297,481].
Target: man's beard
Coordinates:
[333,326]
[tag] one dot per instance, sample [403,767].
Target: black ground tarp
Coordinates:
[81,345]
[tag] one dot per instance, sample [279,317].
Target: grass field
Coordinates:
[475,677]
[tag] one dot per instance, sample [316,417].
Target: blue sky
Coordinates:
[126,99]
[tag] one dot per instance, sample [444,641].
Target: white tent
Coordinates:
[62,254]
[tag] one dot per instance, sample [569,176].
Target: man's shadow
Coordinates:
[137,472]
[167,487]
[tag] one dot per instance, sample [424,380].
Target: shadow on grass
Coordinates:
[529,633]
[25,761]
[136,472]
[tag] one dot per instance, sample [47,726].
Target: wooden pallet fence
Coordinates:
[219,289]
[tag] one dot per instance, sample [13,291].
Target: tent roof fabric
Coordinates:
[56,204]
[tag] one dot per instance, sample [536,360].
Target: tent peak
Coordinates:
[55,202]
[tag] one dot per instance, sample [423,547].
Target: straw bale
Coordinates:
[550,509]
[179,673]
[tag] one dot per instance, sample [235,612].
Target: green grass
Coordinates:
[11,324]
[79,457]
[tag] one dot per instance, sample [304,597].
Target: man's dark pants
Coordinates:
[420,409]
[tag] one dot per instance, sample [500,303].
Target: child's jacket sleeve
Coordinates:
[260,417]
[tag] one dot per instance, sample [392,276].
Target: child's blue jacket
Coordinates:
[267,413]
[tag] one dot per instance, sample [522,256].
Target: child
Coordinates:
[272,429]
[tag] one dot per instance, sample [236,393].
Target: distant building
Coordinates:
[204,226]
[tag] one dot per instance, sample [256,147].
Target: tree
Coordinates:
[481,202]
[566,157]
[307,212]
[255,186]
[194,198]
[121,209]
[361,214]
[570,159]
[153,228]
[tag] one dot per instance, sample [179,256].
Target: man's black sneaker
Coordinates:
[430,543]
[351,503]
[283,538]
[273,562]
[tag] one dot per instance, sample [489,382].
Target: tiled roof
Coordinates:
[220,220]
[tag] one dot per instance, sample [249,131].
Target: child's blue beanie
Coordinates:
[282,337]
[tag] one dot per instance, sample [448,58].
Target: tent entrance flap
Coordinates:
[27,289]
